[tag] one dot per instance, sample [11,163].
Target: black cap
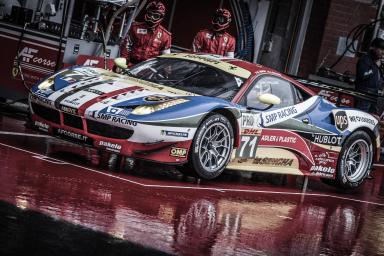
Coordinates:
[378,43]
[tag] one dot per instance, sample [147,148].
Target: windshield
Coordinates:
[188,76]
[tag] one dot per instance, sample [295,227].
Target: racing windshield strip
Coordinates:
[151,86]
[216,63]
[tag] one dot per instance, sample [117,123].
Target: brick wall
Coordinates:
[343,16]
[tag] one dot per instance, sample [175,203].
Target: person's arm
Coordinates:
[197,43]
[167,45]
[231,49]
[364,71]
[126,46]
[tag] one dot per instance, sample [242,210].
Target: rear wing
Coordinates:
[340,95]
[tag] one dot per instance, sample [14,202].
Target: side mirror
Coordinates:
[269,99]
[121,63]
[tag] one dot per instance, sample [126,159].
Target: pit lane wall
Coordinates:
[38,56]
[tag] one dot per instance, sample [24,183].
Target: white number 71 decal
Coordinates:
[247,147]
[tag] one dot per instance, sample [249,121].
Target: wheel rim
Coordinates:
[215,147]
[357,161]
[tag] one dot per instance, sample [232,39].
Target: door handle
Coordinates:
[305,120]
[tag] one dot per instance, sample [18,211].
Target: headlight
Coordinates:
[148,109]
[46,84]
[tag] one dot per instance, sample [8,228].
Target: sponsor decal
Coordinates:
[73,101]
[174,133]
[94,91]
[333,140]
[286,139]
[341,121]
[157,98]
[250,120]
[90,62]
[142,31]
[42,126]
[322,174]
[110,146]
[72,135]
[68,109]
[250,131]
[28,55]
[273,161]
[118,111]
[178,152]
[282,139]
[116,119]
[322,169]
[325,158]
[15,71]
[361,119]
[37,99]
[281,114]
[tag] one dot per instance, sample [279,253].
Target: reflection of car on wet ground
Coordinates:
[206,113]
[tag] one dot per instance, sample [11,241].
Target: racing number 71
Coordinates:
[247,147]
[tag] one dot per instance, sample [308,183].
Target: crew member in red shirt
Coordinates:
[216,40]
[147,39]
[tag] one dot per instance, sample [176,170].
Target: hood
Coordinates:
[93,92]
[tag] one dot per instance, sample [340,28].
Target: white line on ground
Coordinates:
[198,187]
[50,160]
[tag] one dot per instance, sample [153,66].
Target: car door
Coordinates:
[270,135]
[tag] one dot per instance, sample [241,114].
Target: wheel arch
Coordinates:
[371,134]
[233,121]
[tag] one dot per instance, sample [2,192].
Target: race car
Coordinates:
[205,113]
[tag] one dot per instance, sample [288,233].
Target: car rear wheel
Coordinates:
[355,161]
[211,148]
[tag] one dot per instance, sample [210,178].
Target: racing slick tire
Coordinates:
[211,148]
[355,161]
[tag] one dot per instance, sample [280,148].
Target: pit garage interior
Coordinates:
[62,198]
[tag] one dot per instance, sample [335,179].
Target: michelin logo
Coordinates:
[174,134]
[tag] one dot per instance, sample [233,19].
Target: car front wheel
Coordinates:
[212,147]
[355,161]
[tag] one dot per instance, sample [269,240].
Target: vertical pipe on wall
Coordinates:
[69,17]
[172,15]
[300,39]
[378,16]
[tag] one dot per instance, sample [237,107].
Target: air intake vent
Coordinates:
[48,114]
[73,121]
[108,131]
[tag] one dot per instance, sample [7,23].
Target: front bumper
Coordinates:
[109,138]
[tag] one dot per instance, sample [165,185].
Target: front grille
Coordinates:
[108,131]
[73,121]
[48,114]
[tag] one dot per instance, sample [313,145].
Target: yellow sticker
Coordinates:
[15,71]
[211,61]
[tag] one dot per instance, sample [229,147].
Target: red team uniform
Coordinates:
[216,40]
[143,43]
[208,41]
[147,39]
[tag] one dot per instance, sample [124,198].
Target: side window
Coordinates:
[283,90]
[273,85]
